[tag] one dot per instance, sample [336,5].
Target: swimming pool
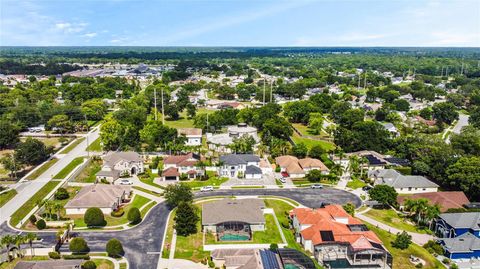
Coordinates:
[234,237]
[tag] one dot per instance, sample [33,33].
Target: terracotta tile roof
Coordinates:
[171,172]
[445,199]
[188,159]
[285,160]
[190,131]
[312,163]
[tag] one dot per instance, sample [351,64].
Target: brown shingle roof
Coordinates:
[312,163]
[243,210]
[171,172]
[188,159]
[445,199]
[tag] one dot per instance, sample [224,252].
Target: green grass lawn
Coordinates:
[42,169]
[123,265]
[95,145]
[88,173]
[72,146]
[184,121]
[147,208]
[401,257]
[103,263]
[306,131]
[69,168]
[147,191]
[212,181]
[148,177]
[31,203]
[391,218]
[7,196]
[326,145]
[355,184]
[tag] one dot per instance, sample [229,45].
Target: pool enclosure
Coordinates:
[233,231]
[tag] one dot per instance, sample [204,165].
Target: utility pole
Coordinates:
[14,165]
[365,81]
[155,102]
[264,82]
[86,122]
[163,111]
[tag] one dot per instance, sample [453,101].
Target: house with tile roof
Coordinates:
[116,164]
[445,199]
[240,166]
[193,135]
[404,184]
[104,196]
[333,236]
[298,168]
[176,165]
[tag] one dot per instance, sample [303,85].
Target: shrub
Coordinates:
[54,255]
[114,248]
[33,219]
[419,265]
[453,266]
[434,247]
[134,215]
[78,245]
[402,241]
[278,169]
[274,247]
[118,213]
[89,265]
[41,224]
[61,194]
[350,209]
[211,264]
[76,257]
[94,217]
[446,261]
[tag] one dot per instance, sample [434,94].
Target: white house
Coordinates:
[401,183]
[116,164]
[240,165]
[193,135]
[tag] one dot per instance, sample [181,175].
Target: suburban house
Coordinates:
[335,237]
[220,142]
[402,183]
[391,128]
[193,135]
[106,197]
[176,165]
[298,168]
[374,159]
[460,234]
[445,199]
[116,164]
[233,220]
[247,258]
[240,166]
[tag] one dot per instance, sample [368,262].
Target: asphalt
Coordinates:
[142,244]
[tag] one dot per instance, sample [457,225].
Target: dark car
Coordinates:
[367,188]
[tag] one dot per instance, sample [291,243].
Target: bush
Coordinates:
[274,247]
[434,247]
[134,215]
[89,265]
[419,265]
[211,264]
[114,248]
[76,257]
[61,194]
[54,255]
[446,261]
[41,224]
[78,245]
[33,219]
[118,213]
[453,266]
[402,241]
[94,217]
[278,169]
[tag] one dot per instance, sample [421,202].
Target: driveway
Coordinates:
[142,244]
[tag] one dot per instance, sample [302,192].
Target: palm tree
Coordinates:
[353,163]
[18,241]
[431,213]
[58,208]
[7,241]
[362,161]
[29,237]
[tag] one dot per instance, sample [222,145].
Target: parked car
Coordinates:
[316,186]
[284,174]
[206,188]
[283,180]
[125,182]
[367,187]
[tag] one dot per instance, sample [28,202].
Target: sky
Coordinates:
[437,23]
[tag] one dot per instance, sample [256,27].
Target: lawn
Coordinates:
[148,177]
[147,191]
[391,218]
[88,173]
[7,196]
[69,168]
[212,181]
[31,203]
[306,131]
[355,184]
[147,208]
[327,146]
[401,257]
[42,169]
[72,146]
[103,264]
[183,121]
[12,264]
[95,145]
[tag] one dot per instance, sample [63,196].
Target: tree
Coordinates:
[89,265]
[191,110]
[299,111]
[62,123]
[300,150]
[384,194]
[61,194]
[32,152]
[78,245]
[350,209]
[276,127]
[18,241]
[10,163]
[176,193]
[364,135]
[94,109]
[244,144]
[445,112]
[29,237]
[314,175]
[186,219]
[111,134]
[402,241]
[41,224]
[8,134]
[316,151]
[350,117]
[155,134]
[401,105]
[315,122]
[464,175]
[468,141]
[114,248]
[8,240]
[134,215]
[94,217]
[172,111]
[474,118]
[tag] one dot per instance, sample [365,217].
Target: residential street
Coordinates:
[26,188]
[462,122]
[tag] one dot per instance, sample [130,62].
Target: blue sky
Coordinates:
[240,22]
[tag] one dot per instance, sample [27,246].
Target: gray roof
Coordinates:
[241,210]
[104,173]
[466,242]
[237,159]
[470,220]
[393,178]
[252,169]
[112,158]
[97,195]
[61,264]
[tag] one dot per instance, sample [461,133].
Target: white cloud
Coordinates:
[90,35]
[68,27]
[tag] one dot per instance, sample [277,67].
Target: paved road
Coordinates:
[462,122]
[27,189]
[147,237]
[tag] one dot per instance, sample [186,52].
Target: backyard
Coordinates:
[391,218]
[326,145]
[356,183]
[88,173]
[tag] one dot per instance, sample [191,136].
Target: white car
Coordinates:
[316,186]
[125,182]
[283,180]
[206,188]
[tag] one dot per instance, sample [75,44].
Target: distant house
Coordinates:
[116,164]
[333,236]
[445,199]
[106,197]
[193,135]
[374,159]
[391,128]
[176,165]
[402,183]
[220,142]
[240,165]
[298,168]
[233,220]
[424,121]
